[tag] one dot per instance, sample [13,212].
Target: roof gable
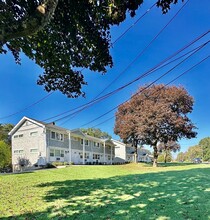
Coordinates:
[22,121]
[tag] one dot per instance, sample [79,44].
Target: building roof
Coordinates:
[75,132]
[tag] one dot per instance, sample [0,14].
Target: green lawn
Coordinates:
[133,191]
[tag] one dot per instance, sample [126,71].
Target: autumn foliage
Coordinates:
[155,114]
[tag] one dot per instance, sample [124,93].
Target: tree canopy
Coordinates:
[158,114]
[166,148]
[4,130]
[190,154]
[96,132]
[205,146]
[64,36]
[5,155]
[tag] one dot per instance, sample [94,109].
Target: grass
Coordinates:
[133,191]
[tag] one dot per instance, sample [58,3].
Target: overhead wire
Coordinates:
[115,41]
[27,107]
[195,50]
[135,59]
[143,51]
[88,104]
[207,57]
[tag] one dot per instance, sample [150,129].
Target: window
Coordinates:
[18,136]
[56,136]
[57,153]
[52,154]
[61,137]
[96,144]
[96,156]
[33,133]
[33,150]
[52,134]
[81,141]
[18,151]
[86,143]
[109,157]
[86,155]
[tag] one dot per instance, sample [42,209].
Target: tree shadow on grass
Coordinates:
[163,195]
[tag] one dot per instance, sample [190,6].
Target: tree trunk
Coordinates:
[135,152]
[155,154]
[165,157]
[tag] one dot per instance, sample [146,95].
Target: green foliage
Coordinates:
[63,36]
[205,145]
[4,130]
[5,154]
[181,157]
[96,132]
[192,152]
[165,157]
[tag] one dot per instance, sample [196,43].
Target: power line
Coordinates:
[161,88]
[142,51]
[136,58]
[29,106]
[82,107]
[115,41]
[195,50]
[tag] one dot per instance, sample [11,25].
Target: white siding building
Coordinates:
[42,143]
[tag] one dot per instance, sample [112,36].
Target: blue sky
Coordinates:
[19,89]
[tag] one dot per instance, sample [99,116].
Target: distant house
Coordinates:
[41,143]
[126,153]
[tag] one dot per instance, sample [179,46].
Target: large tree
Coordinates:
[4,130]
[63,36]
[166,148]
[205,147]
[5,155]
[155,114]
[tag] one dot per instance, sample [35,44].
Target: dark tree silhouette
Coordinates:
[154,115]
[63,36]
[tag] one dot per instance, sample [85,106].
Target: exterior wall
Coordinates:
[28,142]
[120,151]
[43,144]
[91,152]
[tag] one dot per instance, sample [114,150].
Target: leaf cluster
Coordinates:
[96,132]
[76,36]
[156,114]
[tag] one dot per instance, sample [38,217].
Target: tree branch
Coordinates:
[32,24]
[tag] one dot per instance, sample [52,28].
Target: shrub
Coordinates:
[5,155]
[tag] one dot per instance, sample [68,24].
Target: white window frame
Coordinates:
[86,142]
[22,151]
[34,152]
[81,141]
[18,136]
[33,133]
[58,136]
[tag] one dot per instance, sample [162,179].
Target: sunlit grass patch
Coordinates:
[133,191]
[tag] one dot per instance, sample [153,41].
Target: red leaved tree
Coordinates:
[153,115]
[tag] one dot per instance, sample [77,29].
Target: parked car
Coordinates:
[197,160]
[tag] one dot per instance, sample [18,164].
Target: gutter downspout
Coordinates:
[83,152]
[69,147]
